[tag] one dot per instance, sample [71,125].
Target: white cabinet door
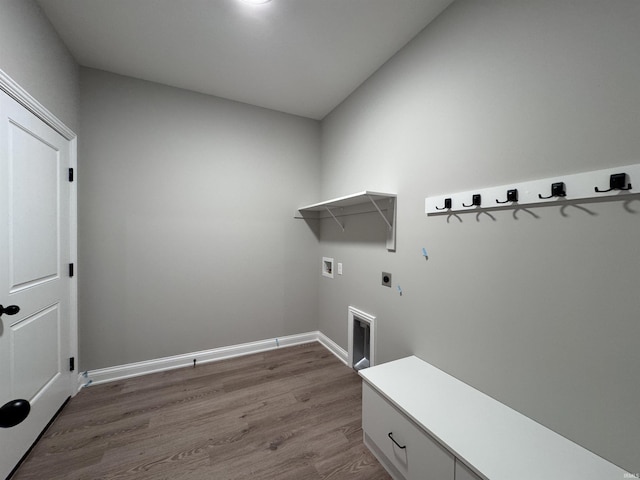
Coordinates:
[406,446]
[34,278]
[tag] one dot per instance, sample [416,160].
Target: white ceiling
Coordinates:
[297,56]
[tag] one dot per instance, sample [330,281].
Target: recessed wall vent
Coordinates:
[361,339]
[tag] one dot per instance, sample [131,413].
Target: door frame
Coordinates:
[19,94]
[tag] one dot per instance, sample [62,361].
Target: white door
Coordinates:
[35,251]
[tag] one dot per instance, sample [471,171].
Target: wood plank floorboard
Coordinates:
[288,414]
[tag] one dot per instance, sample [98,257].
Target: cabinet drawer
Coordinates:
[422,458]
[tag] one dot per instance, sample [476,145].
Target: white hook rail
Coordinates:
[579,186]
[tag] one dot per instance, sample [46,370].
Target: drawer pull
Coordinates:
[394,441]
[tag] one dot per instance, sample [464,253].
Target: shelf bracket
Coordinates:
[334,217]
[380,212]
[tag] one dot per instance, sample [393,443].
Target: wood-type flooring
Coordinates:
[291,413]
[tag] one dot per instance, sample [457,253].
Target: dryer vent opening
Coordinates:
[361,345]
[361,327]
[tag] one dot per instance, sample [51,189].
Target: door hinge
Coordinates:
[71,174]
[72,364]
[71,269]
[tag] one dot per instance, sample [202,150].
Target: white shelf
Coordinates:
[580,186]
[494,440]
[348,201]
[361,202]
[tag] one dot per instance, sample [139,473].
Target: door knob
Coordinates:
[10,310]
[14,412]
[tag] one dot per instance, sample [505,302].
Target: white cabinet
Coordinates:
[464,473]
[403,447]
[437,417]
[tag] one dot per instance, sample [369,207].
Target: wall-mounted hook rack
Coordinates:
[476,200]
[577,186]
[512,196]
[617,181]
[447,205]
[558,189]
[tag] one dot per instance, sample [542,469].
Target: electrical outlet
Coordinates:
[386,279]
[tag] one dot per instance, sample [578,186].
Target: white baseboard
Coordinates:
[120,372]
[333,347]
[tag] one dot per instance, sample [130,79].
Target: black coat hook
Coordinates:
[476,200]
[447,204]
[617,181]
[557,190]
[512,196]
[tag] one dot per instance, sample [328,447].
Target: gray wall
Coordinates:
[186,233]
[33,55]
[537,309]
